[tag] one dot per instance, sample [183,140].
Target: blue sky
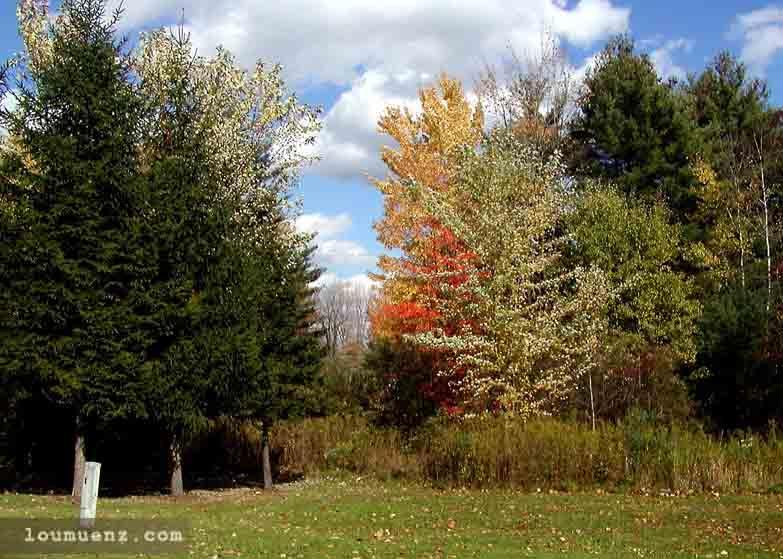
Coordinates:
[354,57]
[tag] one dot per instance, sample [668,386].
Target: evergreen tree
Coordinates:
[736,378]
[70,255]
[727,106]
[190,318]
[635,130]
[229,296]
[285,383]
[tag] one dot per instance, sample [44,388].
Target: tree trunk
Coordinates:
[592,399]
[769,252]
[742,259]
[177,488]
[266,462]
[79,463]
[765,206]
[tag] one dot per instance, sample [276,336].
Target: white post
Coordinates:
[92,475]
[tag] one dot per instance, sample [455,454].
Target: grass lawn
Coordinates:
[350,518]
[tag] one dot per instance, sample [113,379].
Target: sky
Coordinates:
[356,57]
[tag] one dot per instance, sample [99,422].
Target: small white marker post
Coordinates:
[89,505]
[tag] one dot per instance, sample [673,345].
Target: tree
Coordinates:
[734,374]
[735,377]
[153,271]
[402,371]
[726,105]
[189,225]
[653,315]
[731,112]
[343,314]
[635,244]
[527,328]
[635,130]
[71,254]
[428,145]
[287,383]
[536,98]
[230,300]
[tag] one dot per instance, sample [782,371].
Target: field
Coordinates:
[357,518]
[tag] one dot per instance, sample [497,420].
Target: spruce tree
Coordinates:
[228,303]
[189,225]
[290,347]
[70,260]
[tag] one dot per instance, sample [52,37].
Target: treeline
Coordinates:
[151,279]
[583,247]
[596,248]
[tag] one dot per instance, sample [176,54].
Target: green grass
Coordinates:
[350,518]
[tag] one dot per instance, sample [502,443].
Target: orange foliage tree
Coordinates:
[432,261]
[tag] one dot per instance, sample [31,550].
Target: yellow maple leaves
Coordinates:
[426,145]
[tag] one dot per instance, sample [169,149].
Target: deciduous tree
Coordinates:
[527,327]
[431,257]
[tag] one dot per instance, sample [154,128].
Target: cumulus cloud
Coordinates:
[397,45]
[322,225]
[361,281]
[322,40]
[10,101]
[340,252]
[332,250]
[349,143]
[379,54]
[761,32]
[664,58]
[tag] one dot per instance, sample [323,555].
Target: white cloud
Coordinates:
[663,58]
[349,143]
[323,40]
[362,281]
[340,252]
[10,101]
[323,225]
[579,74]
[762,34]
[589,21]
[399,45]
[332,250]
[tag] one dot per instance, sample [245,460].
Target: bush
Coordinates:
[349,387]
[410,391]
[341,442]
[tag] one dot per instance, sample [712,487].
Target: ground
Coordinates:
[358,518]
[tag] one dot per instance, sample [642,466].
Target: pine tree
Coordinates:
[727,105]
[635,130]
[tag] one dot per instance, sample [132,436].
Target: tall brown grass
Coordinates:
[543,454]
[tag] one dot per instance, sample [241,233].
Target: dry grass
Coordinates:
[500,452]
